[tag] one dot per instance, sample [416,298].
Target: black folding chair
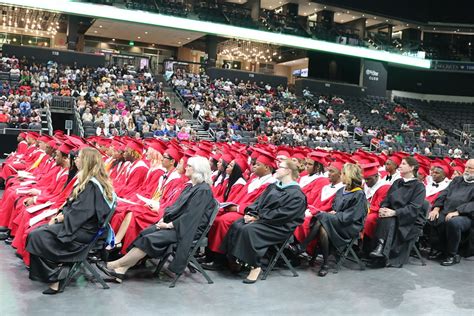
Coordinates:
[280,254]
[344,255]
[96,243]
[191,262]
[420,223]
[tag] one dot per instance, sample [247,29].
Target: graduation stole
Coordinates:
[38,161]
[101,188]
[159,190]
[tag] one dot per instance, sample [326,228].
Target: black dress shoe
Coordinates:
[111,273]
[4,235]
[3,229]
[451,260]
[212,266]
[323,271]
[9,240]
[295,249]
[378,251]
[437,255]
[376,264]
[50,291]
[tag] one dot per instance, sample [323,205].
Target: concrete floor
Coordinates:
[412,290]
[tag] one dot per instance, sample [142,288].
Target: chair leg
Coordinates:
[173,283]
[201,270]
[289,265]
[71,274]
[342,258]
[423,262]
[270,266]
[96,275]
[161,264]
[356,258]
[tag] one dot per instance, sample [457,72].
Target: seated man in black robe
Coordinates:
[399,214]
[65,238]
[344,222]
[452,216]
[182,223]
[268,221]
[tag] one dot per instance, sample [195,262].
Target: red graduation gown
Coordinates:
[249,193]
[143,216]
[322,202]
[375,196]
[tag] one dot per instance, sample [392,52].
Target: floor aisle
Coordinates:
[413,290]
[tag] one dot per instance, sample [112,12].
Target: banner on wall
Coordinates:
[374,77]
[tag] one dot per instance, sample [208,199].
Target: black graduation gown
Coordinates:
[66,242]
[351,209]
[406,199]
[279,212]
[190,215]
[458,196]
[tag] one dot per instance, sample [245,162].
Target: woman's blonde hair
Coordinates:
[352,174]
[92,165]
[202,170]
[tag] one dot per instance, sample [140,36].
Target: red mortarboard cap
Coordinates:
[44,138]
[227,157]
[448,170]
[216,156]
[298,154]
[135,145]
[370,169]
[459,162]
[76,141]
[52,143]
[396,159]
[459,169]
[66,148]
[318,157]
[157,145]
[337,164]
[283,152]
[203,152]
[266,158]
[174,153]
[423,169]
[242,163]
[33,135]
[22,135]
[254,154]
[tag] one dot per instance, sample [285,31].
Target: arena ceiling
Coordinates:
[157,20]
[141,33]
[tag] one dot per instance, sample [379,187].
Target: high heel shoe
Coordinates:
[50,291]
[118,277]
[251,281]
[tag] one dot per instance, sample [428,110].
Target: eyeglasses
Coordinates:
[166,157]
